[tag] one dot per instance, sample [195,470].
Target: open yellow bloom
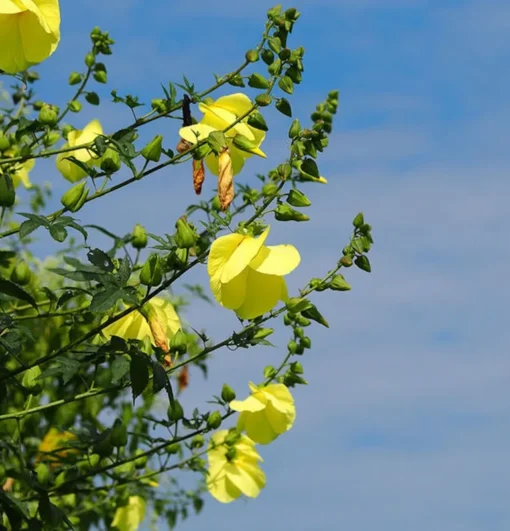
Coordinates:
[233,468]
[218,115]
[129,517]
[52,441]
[266,413]
[69,169]
[246,276]
[158,322]
[21,170]
[29,32]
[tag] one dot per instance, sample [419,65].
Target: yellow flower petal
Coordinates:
[237,104]
[196,132]
[276,260]
[129,517]
[221,250]
[262,294]
[250,404]
[245,478]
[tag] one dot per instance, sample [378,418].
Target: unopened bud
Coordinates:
[267,56]
[186,236]
[263,100]
[100,76]
[298,199]
[7,192]
[75,197]
[286,213]
[139,237]
[48,115]
[21,274]
[4,142]
[175,413]
[90,59]
[269,189]
[75,78]
[258,81]
[338,283]
[152,151]
[225,179]
[158,105]
[198,174]
[152,271]
[179,343]
[110,161]
[214,420]
[74,106]
[227,393]
[252,56]
[50,138]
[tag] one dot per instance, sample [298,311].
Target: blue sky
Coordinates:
[405,423]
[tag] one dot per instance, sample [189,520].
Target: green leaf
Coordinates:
[139,374]
[310,167]
[102,301]
[100,259]
[363,263]
[58,233]
[13,290]
[286,84]
[92,98]
[77,276]
[67,368]
[257,121]
[159,377]
[284,107]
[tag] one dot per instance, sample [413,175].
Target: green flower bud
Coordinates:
[94,460]
[298,199]
[263,100]
[74,106]
[358,221]
[244,144]
[258,81]
[159,105]
[286,213]
[119,435]
[186,236]
[295,129]
[338,283]
[42,473]
[7,192]
[269,189]
[214,420]
[227,393]
[139,237]
[100,76]
[175,413]
[177,259]
[296,305]
[197,442]
[4,142]
[66,130]
[75,78]
[284,54]
[306,342]
[296,367]
[38,105]
[314,314]
[346,261]
[252,56]
[90,59]
[275,68]
[152,271]
[30,381]
[51,137]
[292,346]
[173,448]
[262,333]
[201,152]
[302,321]
[152,151]
[215,204]
[257,121]
[110,161]
[179,343]
[48,115]
[267,56]
[75,197]
[21,273]
[287,321]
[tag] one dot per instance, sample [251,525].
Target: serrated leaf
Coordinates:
[13,290]
[102,301]
[100,259]
[77,276]
[139,374]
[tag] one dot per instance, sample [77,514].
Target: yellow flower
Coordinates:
[52,441]
[246,276]
[129,517]
[69,169]
[233,467]
[157,321]
[21,170]
[218,115]
[29,32]
[266,413]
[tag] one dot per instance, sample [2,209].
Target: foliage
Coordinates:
[91,340]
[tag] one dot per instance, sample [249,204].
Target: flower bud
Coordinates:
[198,174]
[141,462]
[186,236]
[173,448]
[244,144]
[263,100]
[338,283]
[110,161]
[262,334]
[152,271]
[296,367]
[21,273]
[51,137]
[75,197]
[48,115]
[298,199]
[215,204]
[346,261]
[90,59]
[119,436]
[75,78]
[139,237]
[158,105]
[74,106]
[258,81]
[286,213]
[358,221]
[7,192]
[292,346]
[179,343]
[42,473]
[175,413]
[214,420]
[252,56]
[306,342]
[100,76]
[177,259]
[152,151]
[225,179]
[227,393]
[269,189]
[4,142]
[295,129]
[257,121]
[197,441]
[66,129]
[267,56]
